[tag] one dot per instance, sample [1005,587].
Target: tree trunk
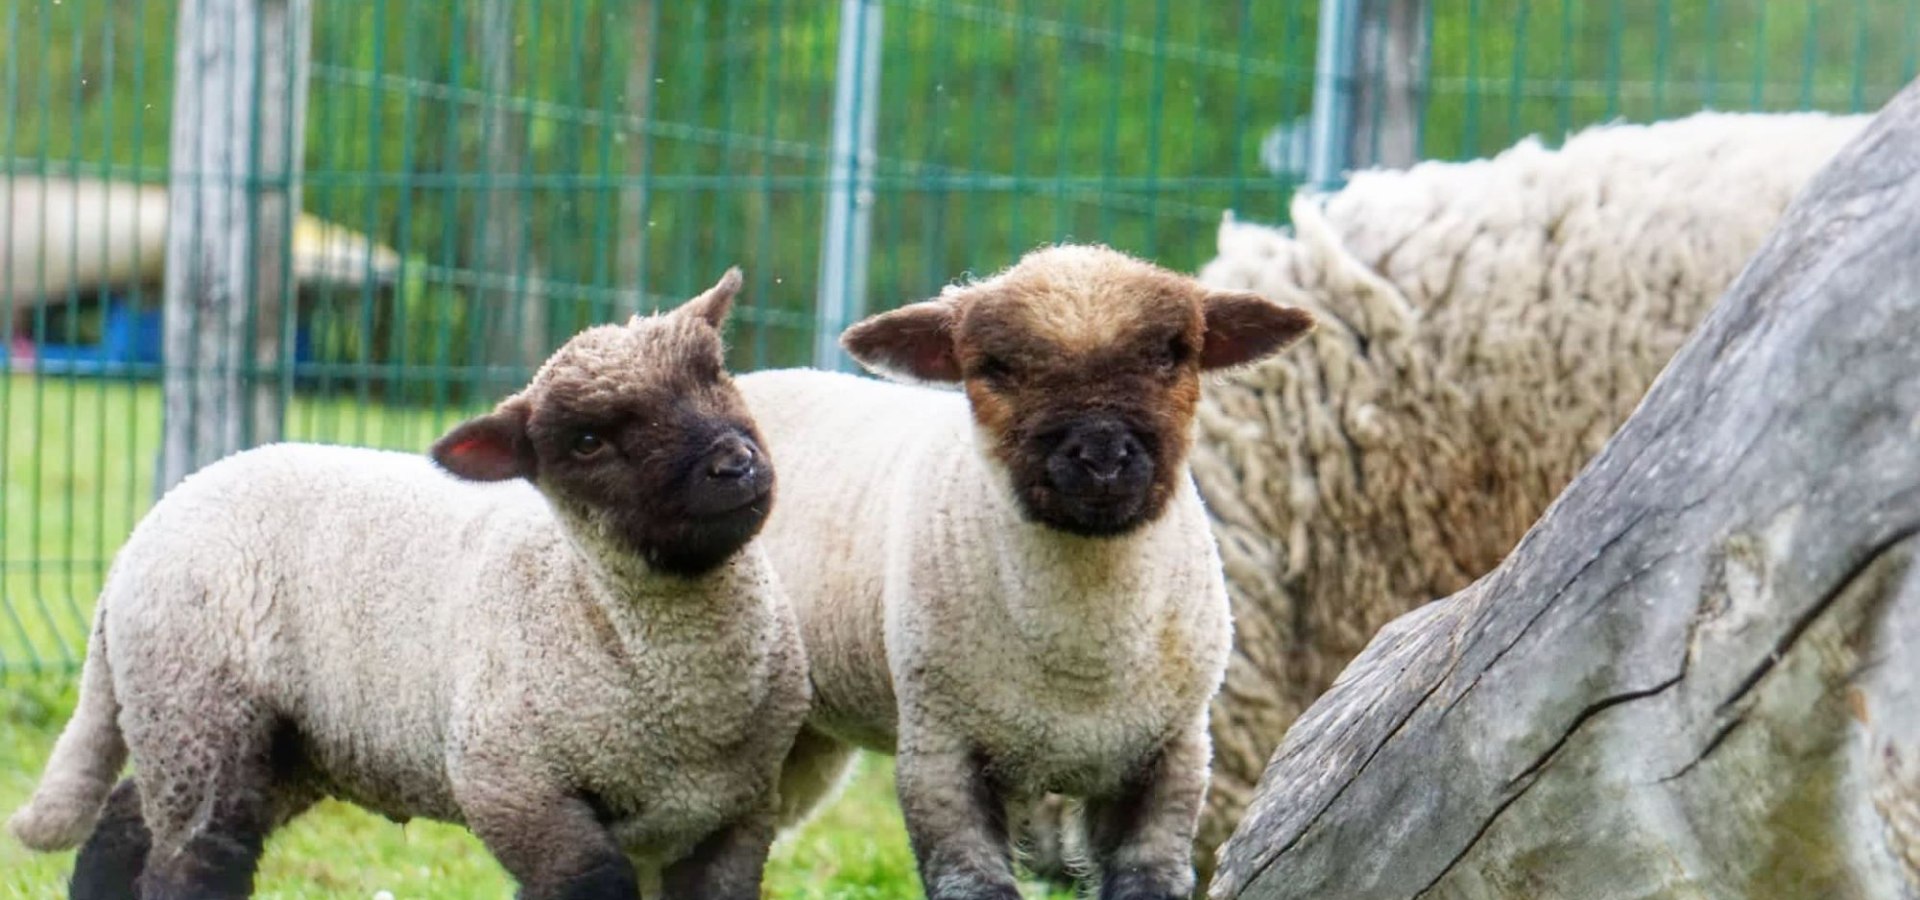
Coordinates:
[1697,676]
[630,248]
[516,301]
[239,105]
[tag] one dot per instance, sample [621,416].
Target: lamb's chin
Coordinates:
[707,543]
[1097,517]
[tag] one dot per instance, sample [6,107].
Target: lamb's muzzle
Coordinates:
[1102,470]
[731,478]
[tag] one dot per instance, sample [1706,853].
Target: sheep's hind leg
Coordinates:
[815,768]
[109,864]
[1141,839]
[726,866]
[1044,837]
[210,800]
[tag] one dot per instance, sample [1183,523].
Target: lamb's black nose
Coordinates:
[732,460]
[733,463]
[733,473]
[1102,449]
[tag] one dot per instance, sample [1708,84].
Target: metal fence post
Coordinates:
[846,239]
[1332,95]
[1368,86]
[240,86]
[1390,83]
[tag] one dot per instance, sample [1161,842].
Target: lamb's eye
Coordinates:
[993,368]
[1172,356]
[586,444]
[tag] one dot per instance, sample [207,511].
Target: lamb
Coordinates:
[1486,327]
[1014,587]
[588,663]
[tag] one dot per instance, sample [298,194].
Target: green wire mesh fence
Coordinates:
[479,180]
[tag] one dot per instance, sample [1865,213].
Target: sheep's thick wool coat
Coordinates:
[1070,661]
[1484,328]
[435,645]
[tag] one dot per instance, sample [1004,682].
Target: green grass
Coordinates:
[856,849]
[77,471]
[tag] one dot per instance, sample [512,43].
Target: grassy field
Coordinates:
[855,850]
[75,473]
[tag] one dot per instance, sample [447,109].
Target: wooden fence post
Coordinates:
[240,86]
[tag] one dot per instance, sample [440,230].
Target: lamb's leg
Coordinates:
[1043,836]
[956,820]
[549,840]
[110,862]
[814,768]
[726,866]
[209,802]
[1141,839]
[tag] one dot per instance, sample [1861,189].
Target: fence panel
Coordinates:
[482,179]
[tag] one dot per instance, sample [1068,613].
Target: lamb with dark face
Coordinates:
[636,434]
[1082,365]
[586,660]
[1014,586]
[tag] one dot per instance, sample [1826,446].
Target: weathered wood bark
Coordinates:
[1697,675]
[502,250]
[239,107]
[631,251]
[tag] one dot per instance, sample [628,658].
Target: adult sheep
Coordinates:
[589,663]
[1485,328]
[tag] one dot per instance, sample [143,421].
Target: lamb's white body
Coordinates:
[437,647]
[1070,661]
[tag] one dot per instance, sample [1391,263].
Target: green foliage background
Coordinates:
[1001,125]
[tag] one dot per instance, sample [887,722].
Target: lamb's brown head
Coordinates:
[1082,365]
[637,436]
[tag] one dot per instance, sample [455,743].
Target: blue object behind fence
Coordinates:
[130,343]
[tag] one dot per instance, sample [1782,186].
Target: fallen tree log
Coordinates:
[1699,674]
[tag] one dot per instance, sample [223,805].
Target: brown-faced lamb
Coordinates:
[1486,326]
[1013,587]
[586,662]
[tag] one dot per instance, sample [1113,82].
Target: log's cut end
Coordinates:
[1699,674]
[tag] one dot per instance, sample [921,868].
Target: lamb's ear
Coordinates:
[493,447]
[712,307]
[913,343]
[1243,327]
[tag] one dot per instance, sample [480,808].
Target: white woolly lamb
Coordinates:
[588,664]
[1486,327]
[1015,588]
